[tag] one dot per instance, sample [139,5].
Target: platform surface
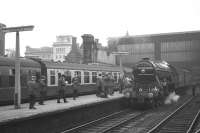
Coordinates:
[8,113]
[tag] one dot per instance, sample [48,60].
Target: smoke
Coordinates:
[172,98]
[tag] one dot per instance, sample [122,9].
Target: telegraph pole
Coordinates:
[17,92]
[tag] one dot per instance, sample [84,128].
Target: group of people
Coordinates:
[38,85]
[106,85]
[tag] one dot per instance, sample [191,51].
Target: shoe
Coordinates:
[65,101]
[58,101]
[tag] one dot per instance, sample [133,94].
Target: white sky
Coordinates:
[102,18]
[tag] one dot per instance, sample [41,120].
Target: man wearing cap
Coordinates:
[42,86]
[100,85]
[32,87]
[75,85]
[121,84]
[61,89]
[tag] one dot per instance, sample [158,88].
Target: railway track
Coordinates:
[139,122]
[182,120]
[107,123]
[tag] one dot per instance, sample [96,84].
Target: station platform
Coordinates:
[9,114]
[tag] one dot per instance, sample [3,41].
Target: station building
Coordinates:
[181,49]
[62,47]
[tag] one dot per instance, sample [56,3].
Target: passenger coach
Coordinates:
[87,73]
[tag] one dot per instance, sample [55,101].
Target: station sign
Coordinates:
[17,29]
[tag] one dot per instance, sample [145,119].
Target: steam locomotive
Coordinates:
[150,79]
[51,70]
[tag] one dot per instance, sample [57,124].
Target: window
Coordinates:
[11,78]
[94,77]
[52,77]
[86,77]
[68,77]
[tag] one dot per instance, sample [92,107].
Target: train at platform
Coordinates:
[51,70]
[154,80]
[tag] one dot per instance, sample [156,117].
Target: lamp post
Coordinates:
[120,54]
[17,93]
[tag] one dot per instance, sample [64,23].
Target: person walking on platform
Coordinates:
[111,84]
[165,87]
[100,86]
[61,89]
[42,86]
[121,84]
[106,85]
[32,87]
[75,85]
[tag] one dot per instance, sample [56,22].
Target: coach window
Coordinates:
[68,77]
[23,77]
[11,77]
[94,77]
[86,77]
[52,77]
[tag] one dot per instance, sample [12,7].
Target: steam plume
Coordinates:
[172,98]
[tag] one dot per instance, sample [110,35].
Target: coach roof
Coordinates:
[74,66]
[10,61]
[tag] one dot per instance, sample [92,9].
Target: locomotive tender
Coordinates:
[88,76]
[149,77]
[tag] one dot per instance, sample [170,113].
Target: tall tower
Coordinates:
[2,40]
[88,44]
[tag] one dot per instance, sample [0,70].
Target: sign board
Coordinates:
[16,29]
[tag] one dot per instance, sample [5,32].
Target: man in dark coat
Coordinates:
[100,86]
[32,87]
[107,83]
[121,84]
[61,89]
[75,85]
[42,86]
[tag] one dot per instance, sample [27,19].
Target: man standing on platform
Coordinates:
[76,83]
[61,89]
[32,87]
[100,86]
[42,86]
[121,84]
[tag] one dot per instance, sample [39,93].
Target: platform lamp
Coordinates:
[17,92]
[120,54]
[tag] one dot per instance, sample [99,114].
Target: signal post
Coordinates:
[17,92]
